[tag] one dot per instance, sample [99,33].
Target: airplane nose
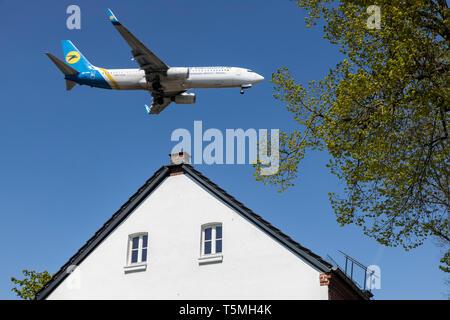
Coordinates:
[259,78]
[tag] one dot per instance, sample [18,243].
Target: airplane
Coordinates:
[166,84]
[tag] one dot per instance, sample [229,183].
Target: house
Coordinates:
[180,236]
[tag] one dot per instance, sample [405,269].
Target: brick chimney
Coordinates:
[180,157]
[324,279]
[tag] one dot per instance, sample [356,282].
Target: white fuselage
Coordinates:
[198,77]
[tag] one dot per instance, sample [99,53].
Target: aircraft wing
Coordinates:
[166,99]
[156,108]
[146,59]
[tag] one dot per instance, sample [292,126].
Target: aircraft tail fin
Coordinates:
[70,85]
[64,68]
[74,57]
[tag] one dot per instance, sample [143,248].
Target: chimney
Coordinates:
[180,157]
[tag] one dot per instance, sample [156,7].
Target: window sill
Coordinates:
[136,267]
[213,258]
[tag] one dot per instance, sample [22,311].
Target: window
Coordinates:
[211,243]
[137,251]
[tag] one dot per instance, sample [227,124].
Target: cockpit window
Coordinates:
[248,70]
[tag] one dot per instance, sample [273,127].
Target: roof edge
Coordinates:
[364,294]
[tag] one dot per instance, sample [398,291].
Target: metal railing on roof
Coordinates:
[349,270]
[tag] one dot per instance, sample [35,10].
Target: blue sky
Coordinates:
[69,160]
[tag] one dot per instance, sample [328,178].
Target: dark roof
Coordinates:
[307,255]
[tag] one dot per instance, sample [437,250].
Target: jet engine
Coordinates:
[184,98]
[177,73]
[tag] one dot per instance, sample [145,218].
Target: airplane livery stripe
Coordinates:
[116,86]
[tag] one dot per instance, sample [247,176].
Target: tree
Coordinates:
[382,113]
[31,284]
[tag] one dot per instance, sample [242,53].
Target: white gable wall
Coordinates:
[255,266]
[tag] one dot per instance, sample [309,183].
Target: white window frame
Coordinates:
[139,265]
[213,257]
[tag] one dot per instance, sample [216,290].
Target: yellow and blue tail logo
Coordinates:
[74,57]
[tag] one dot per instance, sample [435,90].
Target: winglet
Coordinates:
[112,17]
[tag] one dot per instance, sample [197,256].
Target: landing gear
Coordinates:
[156,85]
[160,100]
[245,86]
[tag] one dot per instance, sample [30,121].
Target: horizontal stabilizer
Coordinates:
[70,85]
[67,70]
